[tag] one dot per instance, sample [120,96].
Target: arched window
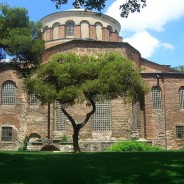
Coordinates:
[70,28]
[84,29]
[102,116]
[60,120]
[55,32]
[156,97]
[181,97]
[98,30]
[8,93]
[45,37]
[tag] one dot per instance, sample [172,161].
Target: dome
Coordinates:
[63,26]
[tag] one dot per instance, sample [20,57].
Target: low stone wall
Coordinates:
[88,146]
[8,146]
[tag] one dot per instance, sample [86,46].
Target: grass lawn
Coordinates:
[92,168]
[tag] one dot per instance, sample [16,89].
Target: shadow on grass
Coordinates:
[92,168]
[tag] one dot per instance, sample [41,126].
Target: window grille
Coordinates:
[102,116]
[181,97]
[134,112]
[156,97]
[6,134]
[60,122]
[32,99]
[69,28]
[180,132]
[8,93]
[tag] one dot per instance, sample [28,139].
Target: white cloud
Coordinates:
[154,17]
[146,44]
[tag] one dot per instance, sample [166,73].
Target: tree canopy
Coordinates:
[20,38]
[130,6]
[70,79]
[179,68]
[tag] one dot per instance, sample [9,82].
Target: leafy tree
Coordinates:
[70,79]
[130,6]
[180,68]
[20,37]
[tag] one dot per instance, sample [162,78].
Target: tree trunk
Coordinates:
[76,140]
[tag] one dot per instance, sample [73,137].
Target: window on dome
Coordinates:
[70,28]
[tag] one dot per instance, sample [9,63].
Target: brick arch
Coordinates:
[47,33]
[85,29]
[55,30]
[99,27]
[34,136]
[69,28]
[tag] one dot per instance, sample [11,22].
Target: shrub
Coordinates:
[23,146]
[64,138]
[128,146]
[49,147]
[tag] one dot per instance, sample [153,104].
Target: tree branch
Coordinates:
[69,117]
[89,114]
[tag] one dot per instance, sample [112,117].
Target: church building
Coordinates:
[157,119]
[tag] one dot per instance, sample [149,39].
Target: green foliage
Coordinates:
[70,78]
[179,68]
[130,6]
[24,144]
[64,138]
[128,146]
[92,168]
[20,38]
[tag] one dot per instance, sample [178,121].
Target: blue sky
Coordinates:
[157,32]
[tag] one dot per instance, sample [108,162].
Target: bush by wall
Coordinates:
[128,146]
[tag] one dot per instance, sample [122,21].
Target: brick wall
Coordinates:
[161,124]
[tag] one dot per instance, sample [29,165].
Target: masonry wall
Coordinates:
[160,124]
[20,116]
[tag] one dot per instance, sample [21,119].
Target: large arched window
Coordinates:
[156,97]
[8,93]
[181,97]
[70,28]
[102,116]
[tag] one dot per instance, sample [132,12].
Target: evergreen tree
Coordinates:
[70,79]
[20,38]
